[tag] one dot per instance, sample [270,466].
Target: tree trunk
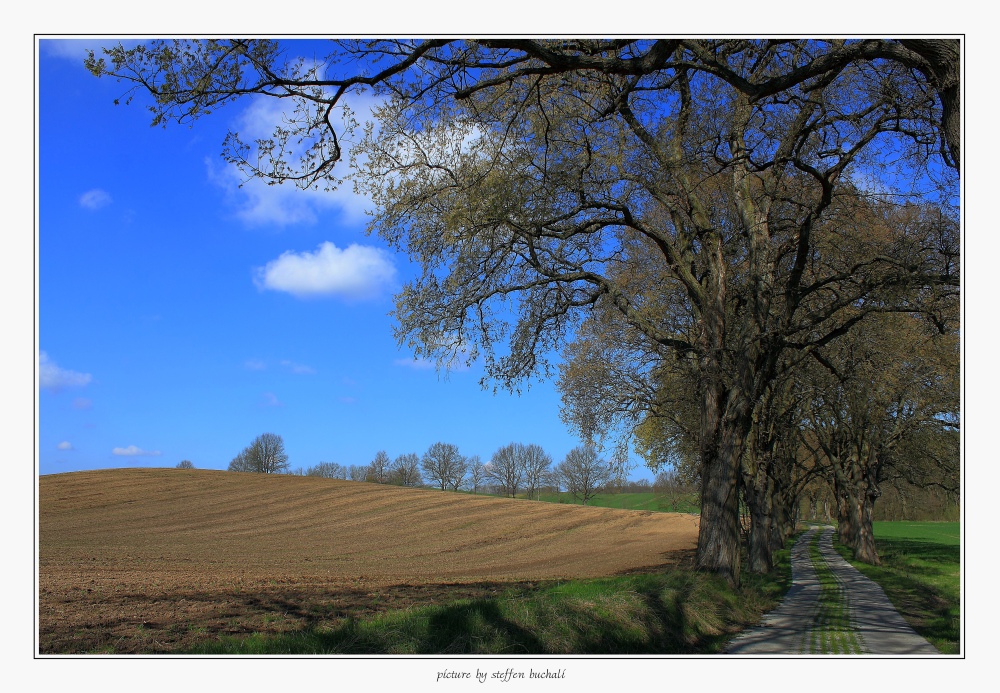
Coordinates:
[759,557]
[721,439]
[782,519]
[856,490]
[848,520]
[719,528]
[855,529]
[758,493]
[865,550]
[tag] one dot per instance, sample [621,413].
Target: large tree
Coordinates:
[444,466]
[265,455]
[584,473]
[517,173]
[506,469]
[380,468]
[537,465]
[477,473]
[406,470]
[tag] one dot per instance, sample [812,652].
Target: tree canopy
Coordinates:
[732,206]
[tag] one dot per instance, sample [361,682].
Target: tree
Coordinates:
[536,464]
[265,455]
[506,468]
[477,473]
[518,173]
[671,484]
[583,473]
[379,470]
[444,466]
[185,464]
[406,470]
[458,474]
[327,470]
[358,472]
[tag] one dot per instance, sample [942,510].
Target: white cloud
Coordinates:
[458,361]
[254,365]
[65,445]
[95,199]
[298,368]
[52,377]
[133,451]
[257,203]
[82,403]
[357,271]
[270,400]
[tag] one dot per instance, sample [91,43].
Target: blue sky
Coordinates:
[180,315]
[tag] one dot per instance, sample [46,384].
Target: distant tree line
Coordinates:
[514,470]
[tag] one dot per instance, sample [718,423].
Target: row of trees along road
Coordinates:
[730,208]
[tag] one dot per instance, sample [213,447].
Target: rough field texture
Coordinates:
[149,560]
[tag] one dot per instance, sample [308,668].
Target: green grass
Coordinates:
[627,501]
[921,575]
[832,632]
[680,611]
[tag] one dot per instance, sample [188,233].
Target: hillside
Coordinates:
[127,553]
[191,526]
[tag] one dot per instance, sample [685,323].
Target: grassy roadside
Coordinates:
[921,575]
[680,611]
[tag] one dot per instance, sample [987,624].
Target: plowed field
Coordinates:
[150,559]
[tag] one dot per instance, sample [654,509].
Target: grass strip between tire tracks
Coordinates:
[833,632]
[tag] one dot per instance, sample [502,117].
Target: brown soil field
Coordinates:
[151,560]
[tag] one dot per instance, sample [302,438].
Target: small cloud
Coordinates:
[65,445]
[270,400]
[357,271]
[459,359]
[76,49]
[417,364]
[54,378]
[82,403]
[133,451]
[254,365]
[298,368]
[348,400]
[95,199]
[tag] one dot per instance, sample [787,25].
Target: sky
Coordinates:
[154,330]
[180,315]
